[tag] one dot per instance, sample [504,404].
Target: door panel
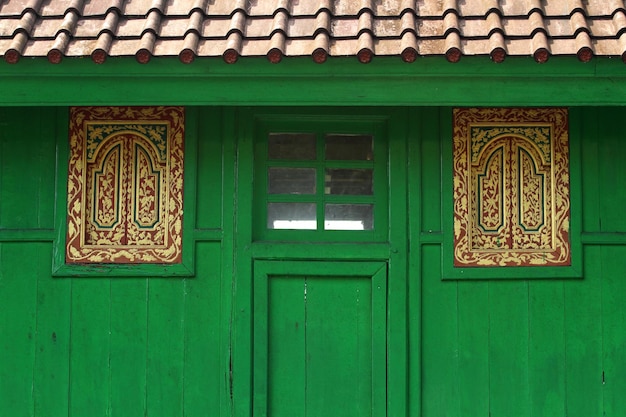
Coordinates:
[319,332]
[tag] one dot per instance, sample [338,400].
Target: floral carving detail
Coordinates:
[511,187]
[125,185]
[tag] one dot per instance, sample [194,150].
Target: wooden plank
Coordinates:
[436,126]
[337,251]
[44,159]
[440,355]
[473,317]
[588,129]
[583,338]
[343,81]
[210,172]
[52,354]
[508,348]
[18,301]
[89,348]
[206,342]
[413,272]
[611,173]
[396,285]
[228,259]
[285,360]
[260,335]
[26,198]
[238,124]
[128,342]
[164,375]
[338,346]
[613,335]
[379,357]
[546,350]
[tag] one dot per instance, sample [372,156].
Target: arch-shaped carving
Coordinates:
[146,196]
[511,187]
[490,185]
[125,185]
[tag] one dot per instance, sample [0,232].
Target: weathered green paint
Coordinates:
[320,338]
[193,346]
[297,81]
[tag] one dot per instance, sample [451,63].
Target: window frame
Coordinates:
[320,125]
[186,268]
[574,270]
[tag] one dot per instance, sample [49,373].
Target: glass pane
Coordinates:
[349,147]
[349,217]
[291,180]
[294,146]
[349,182]
[291,216]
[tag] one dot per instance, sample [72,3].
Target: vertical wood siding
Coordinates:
[161,346]
[535,347]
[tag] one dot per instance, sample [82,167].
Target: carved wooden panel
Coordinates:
[125,185]
[511,187]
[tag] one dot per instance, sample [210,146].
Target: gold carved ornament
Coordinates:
[125,185]
[511,187]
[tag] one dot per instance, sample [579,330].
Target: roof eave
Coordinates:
[429,81]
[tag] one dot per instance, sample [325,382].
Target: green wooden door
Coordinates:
[319,339]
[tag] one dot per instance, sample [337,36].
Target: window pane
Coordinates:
[349,147]
[349,182]
[349,217]
[291,180]
[294,146]
[291,216]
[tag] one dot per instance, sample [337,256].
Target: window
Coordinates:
[511,193]
[125,185]
[320,180]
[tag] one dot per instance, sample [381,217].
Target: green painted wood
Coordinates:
[321,122]
[52,343]
[440,354]
[89,350]
[397,400]
[414,276]
[285,337]
[242,296]
[583,338]
[18,301]
[613,324]
[339,347]
[611,175]
[205,362]
[320,338]
[128,347]
[25,199]
[435,127]
[165,349]
[430,81]
[337,251]
[474,344]
[207,126]
[546,348]
[508,349]
[228,261]
[591,180]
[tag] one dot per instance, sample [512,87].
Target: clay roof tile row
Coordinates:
[318,28]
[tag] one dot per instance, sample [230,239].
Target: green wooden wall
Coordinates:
[169,347]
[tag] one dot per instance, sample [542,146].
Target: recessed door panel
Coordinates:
[320,339]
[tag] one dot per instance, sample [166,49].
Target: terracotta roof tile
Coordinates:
[317,28]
